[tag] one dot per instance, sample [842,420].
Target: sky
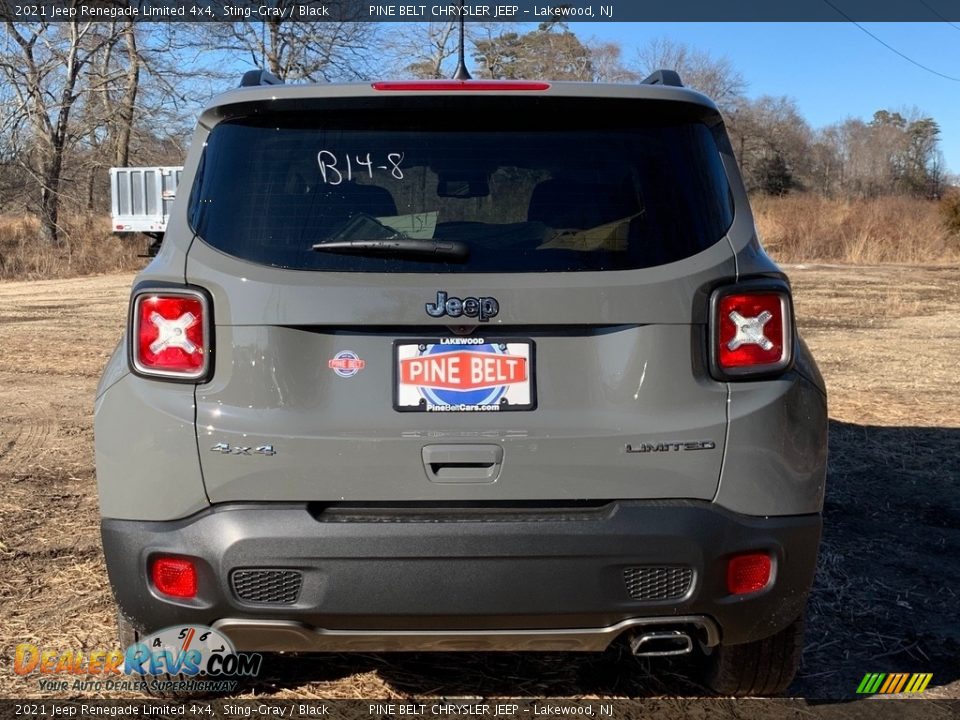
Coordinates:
[832,70]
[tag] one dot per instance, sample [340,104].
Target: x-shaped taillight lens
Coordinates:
[170,334]
[752,331]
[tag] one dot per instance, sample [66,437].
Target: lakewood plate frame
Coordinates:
[395,376]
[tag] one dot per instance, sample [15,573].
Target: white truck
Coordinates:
[140,200]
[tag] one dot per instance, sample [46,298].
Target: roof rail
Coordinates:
[663,77]
[255,78]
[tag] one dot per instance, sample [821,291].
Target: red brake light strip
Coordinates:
[461,85]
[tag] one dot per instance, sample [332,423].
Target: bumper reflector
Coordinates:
[748,573]
[175,577]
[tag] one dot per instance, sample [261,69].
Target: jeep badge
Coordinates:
[483,308]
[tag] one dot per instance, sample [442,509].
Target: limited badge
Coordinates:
[346,363]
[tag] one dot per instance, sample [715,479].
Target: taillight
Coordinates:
[170,334]
[751,330]
[172,576]
[748,573]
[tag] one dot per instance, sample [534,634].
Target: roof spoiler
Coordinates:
[256,78]
[662,77]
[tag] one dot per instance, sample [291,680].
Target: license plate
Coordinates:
[463,375]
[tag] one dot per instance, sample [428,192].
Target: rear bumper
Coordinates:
[466,579]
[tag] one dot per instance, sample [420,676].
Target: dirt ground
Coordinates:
[886,595]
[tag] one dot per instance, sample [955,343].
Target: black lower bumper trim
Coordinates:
[486,575]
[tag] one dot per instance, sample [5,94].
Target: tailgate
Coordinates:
[622,405]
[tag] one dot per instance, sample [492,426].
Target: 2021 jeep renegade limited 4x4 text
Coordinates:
[466,365]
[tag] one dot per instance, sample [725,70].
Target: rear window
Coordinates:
[526,185]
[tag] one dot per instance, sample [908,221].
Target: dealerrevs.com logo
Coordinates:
[184,658]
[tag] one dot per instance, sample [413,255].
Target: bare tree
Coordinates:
[421,50]
[827,166]
[425,50]
[714,77]
[293,49]
[74,98]
[107,113]
[896,152]
[43,64]
[607,61]
[772,142]
[127,104]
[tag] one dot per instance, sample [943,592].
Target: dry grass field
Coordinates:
[88,247]
[886,594]
[898,230]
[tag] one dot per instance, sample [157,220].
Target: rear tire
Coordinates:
[763,667]
[126,630]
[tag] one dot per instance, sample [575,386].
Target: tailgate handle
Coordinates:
[462,463]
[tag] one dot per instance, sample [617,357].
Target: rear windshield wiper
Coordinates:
[415,248]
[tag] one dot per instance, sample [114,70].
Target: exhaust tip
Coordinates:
[661,643]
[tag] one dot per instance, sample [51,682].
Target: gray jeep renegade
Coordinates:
[466,365]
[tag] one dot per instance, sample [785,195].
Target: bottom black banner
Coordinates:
[488,709]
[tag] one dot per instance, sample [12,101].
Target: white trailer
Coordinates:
[140,200]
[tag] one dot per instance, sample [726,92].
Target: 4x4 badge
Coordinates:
[482,308]
[228,449]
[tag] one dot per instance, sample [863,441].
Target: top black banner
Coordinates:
[506,11]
